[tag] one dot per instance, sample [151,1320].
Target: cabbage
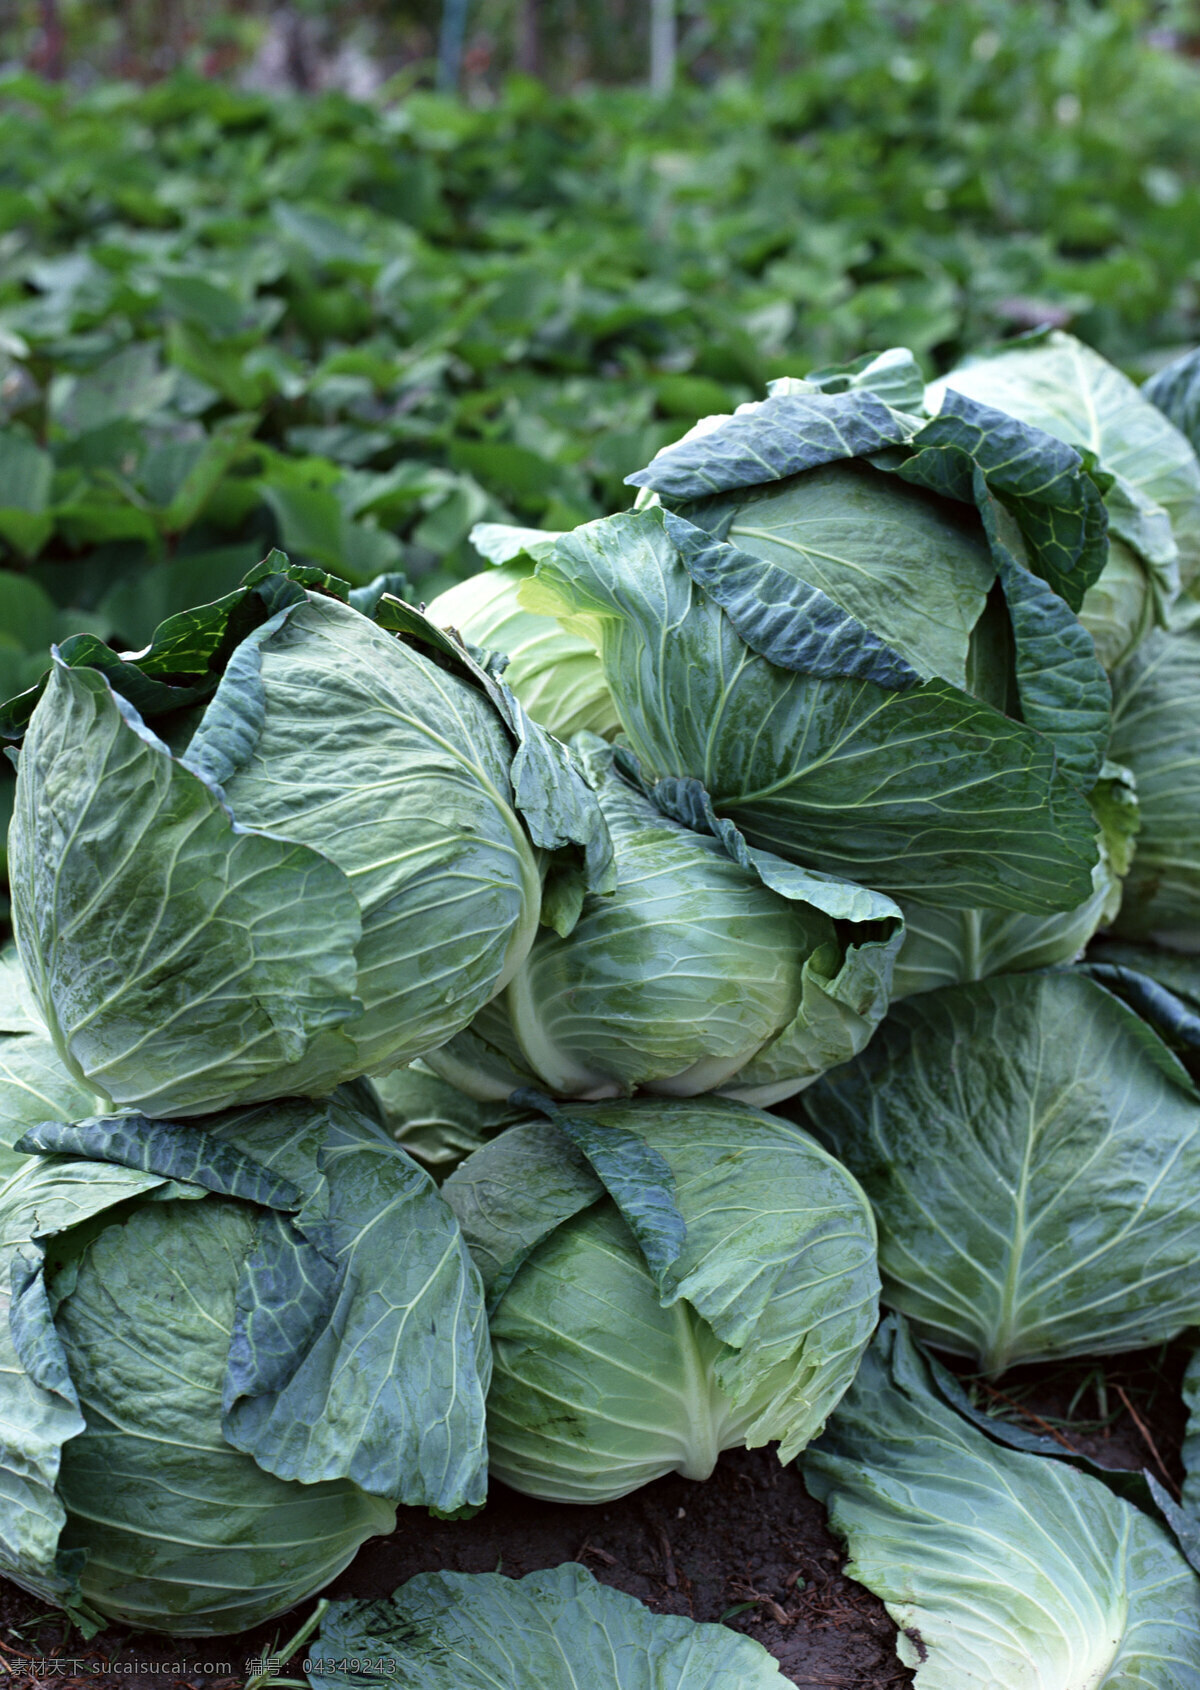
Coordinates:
[555,674]
[711,966]
[857,632]
[228,1354]
[333,859]
[665,1280]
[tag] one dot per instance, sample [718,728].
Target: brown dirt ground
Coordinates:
[749,1540]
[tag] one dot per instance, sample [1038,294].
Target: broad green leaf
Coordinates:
[500,542]
[894,375]
[923,791]
[172,988]
[1162,986]
[557,1630]
[1043,483]
[773,439]
[435,1122]
[1032,1152]
[26,473]
[313,525]
[531,1180]
[18,1013]
[170,1149]
[27,613]
[1060,385]
[129,385]
[390,1388]
[999,1568]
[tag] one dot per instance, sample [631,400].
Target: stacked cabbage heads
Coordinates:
[853,771]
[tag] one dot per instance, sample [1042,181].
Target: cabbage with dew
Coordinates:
[1156,732]
[228,1354]
[556,674]
[290,844]
[665,1280]
[856,630]
[711,966]
[1000,1568]
[1031,1150]
[1058,384]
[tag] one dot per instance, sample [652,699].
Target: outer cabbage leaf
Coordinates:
[951,947]
[893,375]
[35,1087]
[1002,1570]
[555,674]
[389,1390]
[822,751]
[1032,1152]
[973,452]
[1057,383]
[178,960]
[18,1012]
[772,439]
[558,1630]
[532,1179]
[1156,732]
[1162,986]
[39,1408]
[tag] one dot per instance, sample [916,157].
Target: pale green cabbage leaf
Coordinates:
[1032,1152]
[556,1630]
[1003,1571]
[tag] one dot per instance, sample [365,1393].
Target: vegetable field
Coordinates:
[599,1002]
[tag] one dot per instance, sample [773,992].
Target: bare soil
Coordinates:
[749,1547]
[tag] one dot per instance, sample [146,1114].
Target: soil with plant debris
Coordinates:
[749,1547]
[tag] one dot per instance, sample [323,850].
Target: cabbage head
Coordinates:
[711,966]
[556,674]
[857,631]
[1156,732]
[228,1355]
[1058,384]
[665,1280]
[293,842]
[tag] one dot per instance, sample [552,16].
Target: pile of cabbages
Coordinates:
[536,1033]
